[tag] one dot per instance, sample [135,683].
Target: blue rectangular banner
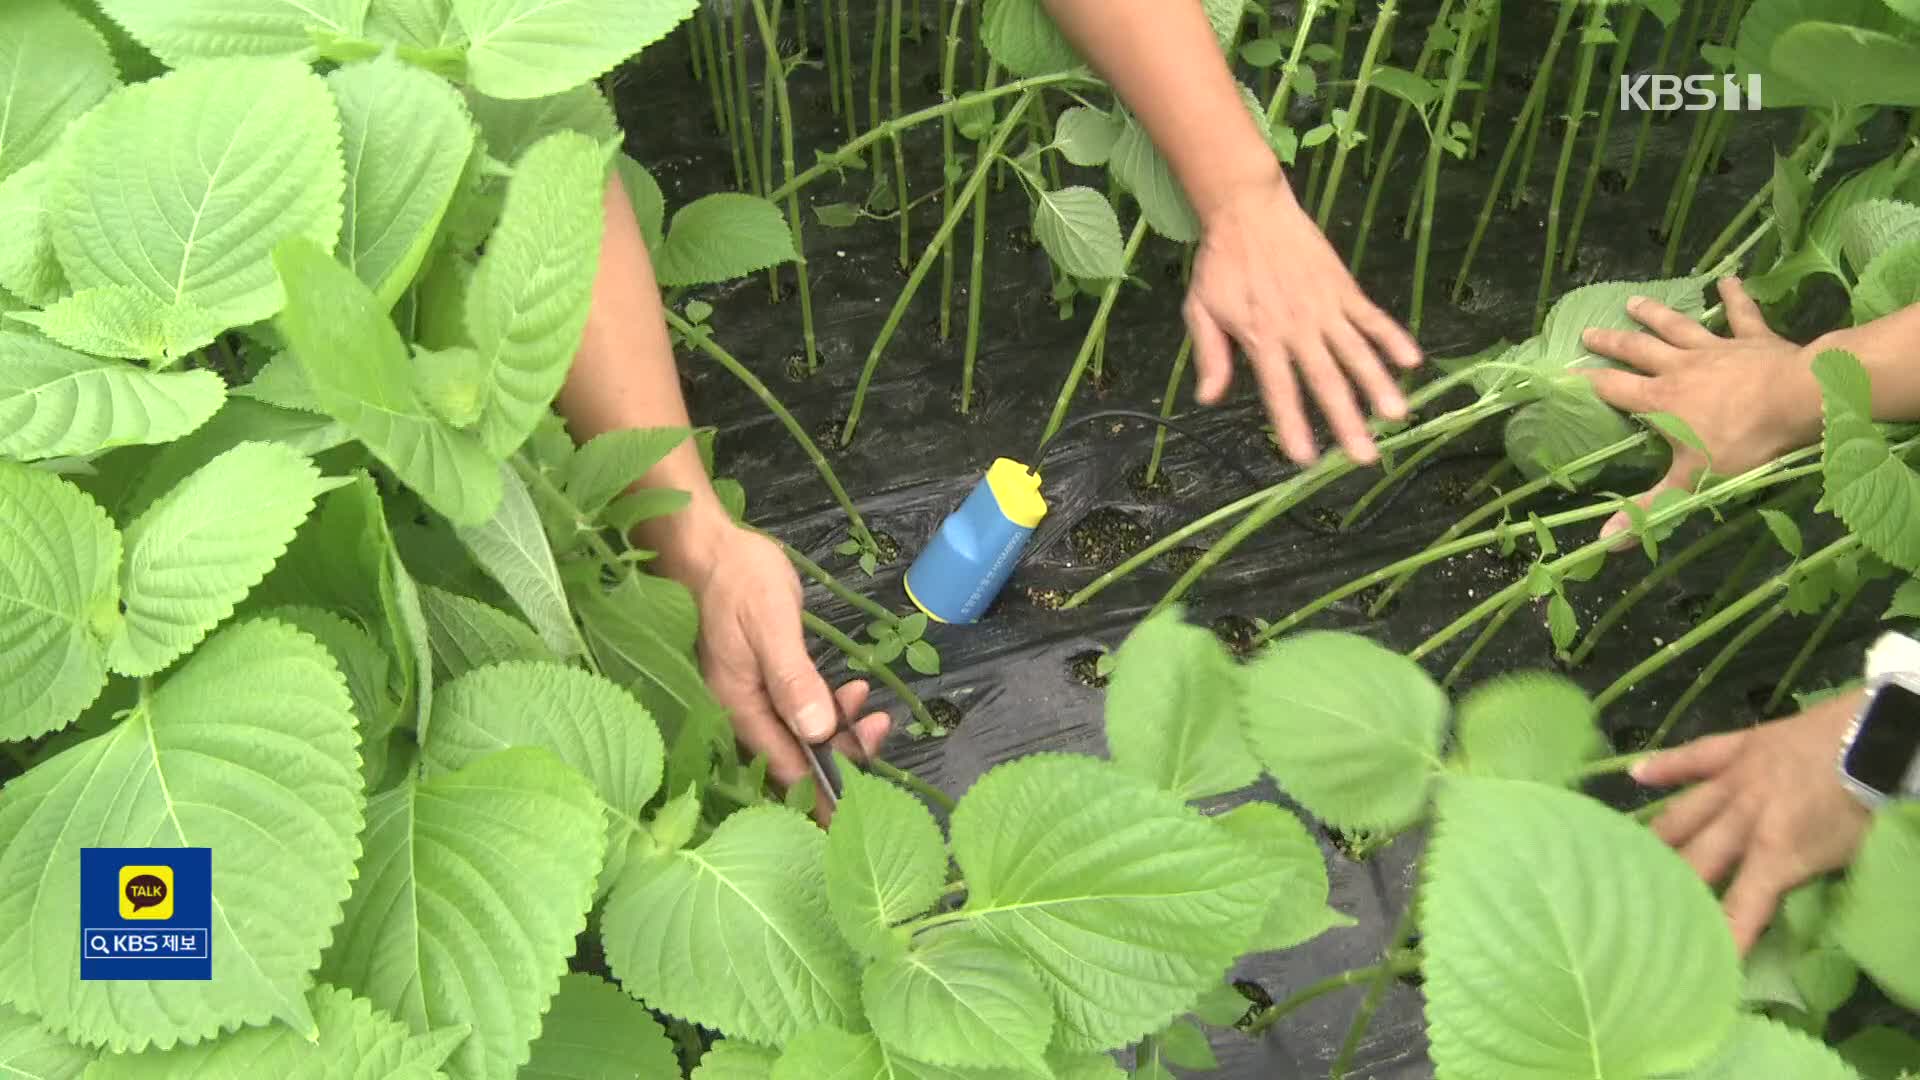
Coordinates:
[146,913]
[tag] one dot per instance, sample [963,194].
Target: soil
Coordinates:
[1020,673]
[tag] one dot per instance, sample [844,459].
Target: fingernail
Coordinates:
[815,722]
[1635,301]
[1638,771]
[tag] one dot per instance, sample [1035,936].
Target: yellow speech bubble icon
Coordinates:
[146,892]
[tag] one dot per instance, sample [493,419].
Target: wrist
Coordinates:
[687,541]
[1791,398]
[1227,186]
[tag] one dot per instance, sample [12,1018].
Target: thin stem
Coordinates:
[1398,471]
[1277,104]
[703,47]
[1383,23]
[1096,331]
[1576,113]
[864,656]
[940,237]
[1735,578]
[1656,575]
[1496,473]
[830,43]
[1821,632]
[1394,131]
[1342,25]
[1167,398]
[702,339]
[1754,628]
[899,155]
[777,75]
[946,168]
[1646,118]
[743,110]
[1456,71]
[1383,978]
[1480,641]
[724,42]
[1716,123]
[1618,763]
[846,68]
[876,65]
[864,604]
[1401,962]
[1487,72]
[1621,51]
[922,788]
[976,274]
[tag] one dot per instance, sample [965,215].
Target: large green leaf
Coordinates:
[55,403]
[1298,910]
[1882,1053]
[55,66]
[1847,66]
[957,999]
[248,749]
[1085,135]
[1788,80]
[1874,492]
[1873,921]
[527,303]
[640,633]
[511,126]
[126,322]
[721,237]
[407,137]
[474,886]
[197,551]
[357,366]
[1349,728]
[511,546]
[532,48]
[1023,38]
[423,24]
[1139,168]
[224,177]
[593,1031]
[465,634]
[29,266]
[1080,232]
[183,31]
[1527,726]
[140,476]
[1174,710]
[1870,228]
[886,862]
[830,1053]
[643,191]
[612,461]
[1126,901]
[1820,250]
[29,1051]
[1562,939]
[1759,1047]
[1603,305]
[753,892]
[1890,282]
[355,1041]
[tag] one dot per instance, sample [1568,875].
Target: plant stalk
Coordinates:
[922,788]
[1383,24]
[743,101]
[899,154]
[1480,641]
[1403,110]
[1430,185]
[1167,399]
[1487,72]
[777,75]
[952,55]
[1400,962]
[1821,633]
[1576,113]
[863,604]
[1096,332]
[864,655]
[1621,50]
[1754,628]
[1646,118]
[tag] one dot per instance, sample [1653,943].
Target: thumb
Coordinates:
[1618,524]
[798,692]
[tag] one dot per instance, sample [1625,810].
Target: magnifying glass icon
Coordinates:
[98,943]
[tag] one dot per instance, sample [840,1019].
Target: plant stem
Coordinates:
[1723,618]
[864,656]
[724,42]
[1487,633]
[1536,100]
[1618,763]
[1646,118]
[1383,978]
[1277,104]
[1487,72]
[1812,645]
[925,790]
[1342,25]
[1576,113]
[777,76]
[1621,50]
[1656,575]
[1715,124]
[1456,71]
[830,43]
[1736,577]
[899,155]
[1397,471]
[976,275]
[846,68]
[946,169]
[940,237]
[864,604]
[1383,23]
[1400,962]
[1394,131]
[1754,628]
[702,339]
[1167,399]
[1096,332]
[1495,473]
[703,47]
[876,64]
[743,101]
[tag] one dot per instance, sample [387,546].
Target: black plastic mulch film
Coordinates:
[1013,678]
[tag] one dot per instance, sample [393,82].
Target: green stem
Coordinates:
[864,604]
[1618,763]
[1167,399]
[1621,50]
[1735,578]
[1495,474]
[702,339]
[1829,142]
[1656,575]
[1398,471]
[1711,671]
[1096,331]
[947,64]
[1812,645]
[1401,962]
[830,44]
[1576,113]
[876,65]
[940,237]
[852,111]
[1646,118]
[899,155]
[1383,978]
[1394,131]
[1535,102]
[1487,72]
[1383,23]
[925,790]
[976,274]
[777,75]
[703,47]
[1682,210]
[724,42]
[864,656]
[1342,25]
[1456,72]
[1277,104]
[1480,641]
[1723,618]
[743,101]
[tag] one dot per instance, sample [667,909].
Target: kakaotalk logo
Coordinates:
[1692,93]
[146,892]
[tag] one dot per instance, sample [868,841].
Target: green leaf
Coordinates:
[1023,38]
[1262,53]
[58,601]
[527,303]
[1845,67]
[1603,305]
[1889,283]
[1563,623]
[473,888]
[452,382]
[363,662]
[1126,901]
[424,24]
[29,267]
[645,504]
[1185,1045]
[55,403]
[512,548]
[1882,1053]
[649,203]
[193,554]
[356,365]
[466,634]
[1174,710]
[1298,911]
[731,1059]
[721,237]
[885,862]
[247,749]
[641,632]
[593,1031]
[1404,85]
[614,460]
[1563,939]
[1792,193]
[29,1051]
[352,1040]
[754,891]
[1790,79]
[957,999]
[1527,726]
[1906,601]
[1784,531]
[1678,431]
[509,128]
[55,66]
[128,323]
[260,167]
[1870,229]
[1872,921]
[1086,135]
[1138,167]
[1080,232]
[1543,437]
[1349,728]
[532,48]
[1866,486]
[180,32]
[922,658]
[1761,1047]
[1223,1006]
[407,139]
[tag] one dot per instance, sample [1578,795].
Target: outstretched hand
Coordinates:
[1750,396]
[1766,807]
[1266,278]
[754,656]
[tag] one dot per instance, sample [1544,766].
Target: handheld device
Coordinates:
[1880,757]
[974,552]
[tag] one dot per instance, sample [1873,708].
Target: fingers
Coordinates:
[1281,395]
[1642,351]
[1689,812]
[1752,899]
[798,693]
[1386,333]
[871,731]
[1676,328]
[1212,354]
[1360,362]
[1715,849]
[1618,524]
[1744,317]
[1335,395]
[1695,761]
[1623,390]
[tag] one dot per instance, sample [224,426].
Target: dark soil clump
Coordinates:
[945,713]
[1237,633]
[1046,599]
[1181,559]
[1137,480]
[1105,536]
[1085,669]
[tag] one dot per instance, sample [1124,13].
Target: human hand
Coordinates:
[754,655]
[1750,397]
[1767,800]
[1266,277]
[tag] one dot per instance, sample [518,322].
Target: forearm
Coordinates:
[1161,58]
[624,377]
[1889,348]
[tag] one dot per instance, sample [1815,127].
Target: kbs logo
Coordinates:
[146,914]
[1693,93]
[146,892]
